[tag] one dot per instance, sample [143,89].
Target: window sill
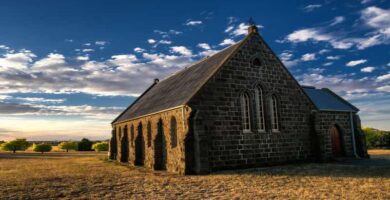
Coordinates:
[246,131]
[275,131]
[261,131]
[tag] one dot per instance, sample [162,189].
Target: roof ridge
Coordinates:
[236,46]
[199,61]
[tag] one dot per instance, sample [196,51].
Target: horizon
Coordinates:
[68,68]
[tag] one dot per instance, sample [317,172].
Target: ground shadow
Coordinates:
[356,168]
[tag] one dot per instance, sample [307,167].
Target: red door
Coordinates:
[336,143]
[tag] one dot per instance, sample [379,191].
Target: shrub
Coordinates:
[42,147]
[100,146]
[68,146]
[15,145]
[85,145]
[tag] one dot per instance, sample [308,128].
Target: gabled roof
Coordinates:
[326,100]
[177,89]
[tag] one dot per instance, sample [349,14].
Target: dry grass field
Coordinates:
[76,175]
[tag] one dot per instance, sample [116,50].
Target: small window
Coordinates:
[245,108]
[256,62]
[173,132]
[274,113]
[132,135]
[149,134]
[260,108]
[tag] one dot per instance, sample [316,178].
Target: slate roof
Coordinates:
[177,89]
[326,100]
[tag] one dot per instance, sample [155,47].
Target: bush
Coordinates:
[42,147]
[376,138]
[100,146]
[68,146]
[15,145]
[85,145]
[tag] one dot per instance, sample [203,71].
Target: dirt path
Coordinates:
[88,176]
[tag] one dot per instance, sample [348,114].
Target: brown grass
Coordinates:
[78,175]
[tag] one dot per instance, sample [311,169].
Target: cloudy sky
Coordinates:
[67,68]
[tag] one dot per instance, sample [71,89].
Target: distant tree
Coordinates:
[42,147]
[85,145]
[15,145]
[100,146]
[69,145]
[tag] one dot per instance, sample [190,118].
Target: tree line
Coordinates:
[377,138]
[83,145]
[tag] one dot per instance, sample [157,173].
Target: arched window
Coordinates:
[274,113]
[173,132]
[132,135]
[260,108]
[245,109]
[149,134]
[256,62]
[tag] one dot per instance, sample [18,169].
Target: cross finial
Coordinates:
[251,22]
[252,28]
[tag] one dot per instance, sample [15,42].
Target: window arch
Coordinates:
[149,134]
[256,62]
[260,108]
[173,132]
[132,135]
[274,113]
[245,109]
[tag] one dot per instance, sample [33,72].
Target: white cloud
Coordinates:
[372,17]
[4,47]
[83,58]
[151,41]
[18,61]
[226,42]
[286,58]
[304,35]
[322,51]
[193,23]
[385,88]
[332,57]
[367,69]
[181,50]
[87,44]
[327,64]
[101,43]
[165,42]
[384,77]
[139,50]
[241,29]
[353,63]
[88,50]
[204,46]
[308,57]
[365,1]
[337,20]
[311,7]
[229,29]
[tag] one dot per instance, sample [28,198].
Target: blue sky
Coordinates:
[67,68]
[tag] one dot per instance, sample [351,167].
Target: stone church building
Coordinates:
[238,108]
